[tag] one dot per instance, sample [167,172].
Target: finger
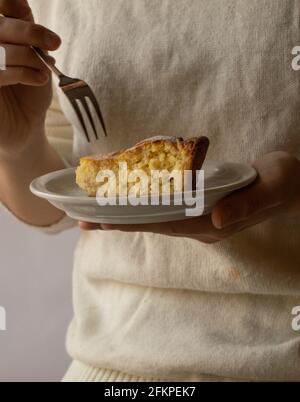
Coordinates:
[16,9]
[20,32]
[17,55]
[89,226]
[201,230]
[177,228]
[23,75]
[242,205]
[276,185]
[254,220]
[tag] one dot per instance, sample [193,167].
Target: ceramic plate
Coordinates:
[61,190]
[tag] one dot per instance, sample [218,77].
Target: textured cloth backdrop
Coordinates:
[153,306]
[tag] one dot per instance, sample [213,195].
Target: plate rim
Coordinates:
[38,185]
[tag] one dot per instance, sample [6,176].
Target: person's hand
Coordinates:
[275,192]
[25,85]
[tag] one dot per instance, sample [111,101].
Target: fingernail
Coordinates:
[51,59]
[52,40]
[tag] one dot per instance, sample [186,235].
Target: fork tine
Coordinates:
[80,117]
[89,115]
[98,111]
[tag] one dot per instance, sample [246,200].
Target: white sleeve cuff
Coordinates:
[63,224]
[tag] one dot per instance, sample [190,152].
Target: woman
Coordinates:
[205,299]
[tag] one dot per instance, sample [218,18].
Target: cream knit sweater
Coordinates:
[150,306]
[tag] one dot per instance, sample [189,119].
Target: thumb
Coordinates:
[277,184]
[244,204]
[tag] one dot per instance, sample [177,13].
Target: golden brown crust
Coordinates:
[197,147]
[199,152]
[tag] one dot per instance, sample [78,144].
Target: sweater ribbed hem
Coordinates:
[80,372]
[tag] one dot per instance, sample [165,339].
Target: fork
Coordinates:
[77,91]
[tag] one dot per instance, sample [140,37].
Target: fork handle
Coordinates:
[44,57]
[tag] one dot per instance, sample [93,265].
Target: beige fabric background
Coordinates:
[150,305]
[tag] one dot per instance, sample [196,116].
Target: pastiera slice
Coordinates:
[157,153]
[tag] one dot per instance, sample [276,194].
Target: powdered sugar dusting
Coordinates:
[159,138]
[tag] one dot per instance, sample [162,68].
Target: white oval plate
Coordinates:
[61,190]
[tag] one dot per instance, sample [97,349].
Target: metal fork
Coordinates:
[77,91]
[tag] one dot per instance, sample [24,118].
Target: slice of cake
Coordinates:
[157,153]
